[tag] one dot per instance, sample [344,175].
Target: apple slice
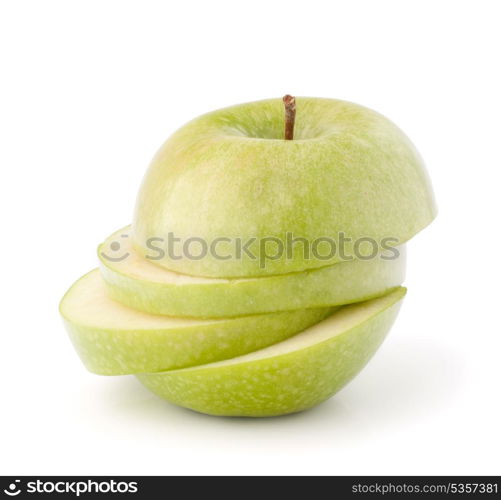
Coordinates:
[140,284]
[289,376]
[112,339]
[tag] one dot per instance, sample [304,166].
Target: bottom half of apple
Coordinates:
[289,376]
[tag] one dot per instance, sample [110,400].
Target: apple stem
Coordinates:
[290,116]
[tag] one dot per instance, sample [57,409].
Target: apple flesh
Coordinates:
[290,376]
[229,174]
[142,285]
[112,339]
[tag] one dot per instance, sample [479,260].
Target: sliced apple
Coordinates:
[287,377]
[140,284]
[112,339]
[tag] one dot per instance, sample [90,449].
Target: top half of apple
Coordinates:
[228,181]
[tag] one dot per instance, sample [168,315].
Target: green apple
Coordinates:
[228,180]
[287,377]
[112,339]
[142,285]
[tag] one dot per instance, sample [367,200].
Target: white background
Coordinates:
[89,91]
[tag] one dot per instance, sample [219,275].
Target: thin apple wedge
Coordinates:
[140,284]
[289,376]
[112,339]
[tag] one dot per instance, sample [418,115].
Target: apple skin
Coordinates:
[229,174]
[112,339]
[284,380]
[140,284]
